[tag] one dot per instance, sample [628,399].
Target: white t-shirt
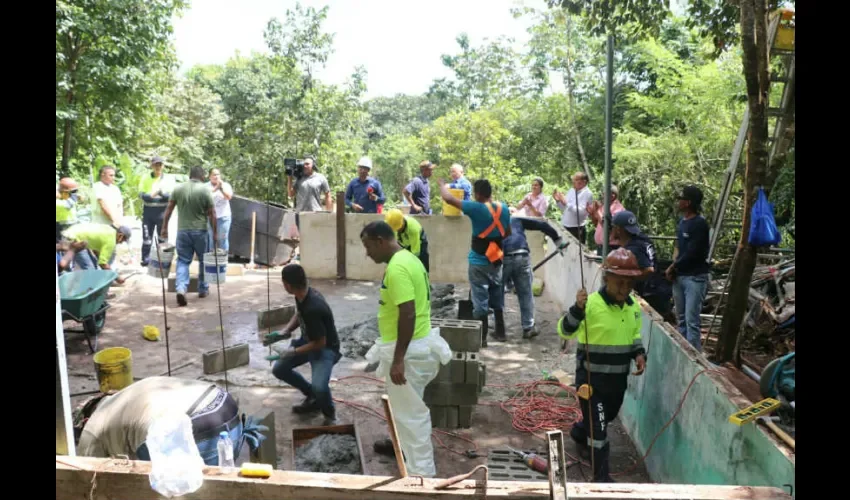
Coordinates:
[222,204]
[120,423]
[568,218]
[111,195]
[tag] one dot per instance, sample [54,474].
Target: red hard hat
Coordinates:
[67,184]
[622,262]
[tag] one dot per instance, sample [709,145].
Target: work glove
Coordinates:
[283,355]
[271,338]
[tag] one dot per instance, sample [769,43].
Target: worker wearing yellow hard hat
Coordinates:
[409,234]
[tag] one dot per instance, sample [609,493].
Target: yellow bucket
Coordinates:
[114,368]
[449,210]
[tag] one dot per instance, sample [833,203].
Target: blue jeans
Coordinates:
[223,229]
[190,242]
[518,270]
[487,289]
[85,260]
[322,363]
[689,293]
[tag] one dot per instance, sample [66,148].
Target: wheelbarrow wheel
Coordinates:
[93,325]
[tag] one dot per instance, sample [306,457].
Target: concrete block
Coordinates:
[275,316]
[237,355]
[453,371]
[438,416]
[449,394]
[461,335]
[482,377]
[451,417]
[464,416]
[471,369]
[193,284]
[267,453]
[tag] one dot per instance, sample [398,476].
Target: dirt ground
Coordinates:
[195,329]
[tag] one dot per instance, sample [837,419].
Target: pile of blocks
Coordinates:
[453,393]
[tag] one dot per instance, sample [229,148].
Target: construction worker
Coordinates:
[418,191]
[364,194]
[409,234]
[651,285]
[89,238]
[66,205]
[318,345]
[607,327]
[154,190]
[491,223]
[196,209]
[517,268]
[409,353]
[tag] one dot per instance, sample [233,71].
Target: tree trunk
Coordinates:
[755,61]
[569,64]
[73,54]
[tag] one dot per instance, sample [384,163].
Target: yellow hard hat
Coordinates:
[395,219]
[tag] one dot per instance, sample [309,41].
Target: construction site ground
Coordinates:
[194,330]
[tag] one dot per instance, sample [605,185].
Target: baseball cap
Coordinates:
[126,231]
[627,221]
[157,159]
[691,193]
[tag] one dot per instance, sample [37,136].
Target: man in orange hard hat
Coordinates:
[607,327]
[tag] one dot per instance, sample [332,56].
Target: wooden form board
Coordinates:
[122,479]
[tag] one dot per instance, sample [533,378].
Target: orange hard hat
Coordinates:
[622,262]
[67,184]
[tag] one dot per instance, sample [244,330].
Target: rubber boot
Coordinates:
[499,334]
[484,327]
[601,471]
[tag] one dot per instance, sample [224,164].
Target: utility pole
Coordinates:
[609,113]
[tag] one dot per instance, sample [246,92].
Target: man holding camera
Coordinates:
[309,188]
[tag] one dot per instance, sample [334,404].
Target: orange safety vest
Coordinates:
[494,249]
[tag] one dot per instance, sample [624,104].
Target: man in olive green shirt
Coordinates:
[195,209]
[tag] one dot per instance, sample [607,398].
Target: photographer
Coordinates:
[308,189]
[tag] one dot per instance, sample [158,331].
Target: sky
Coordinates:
[400,42]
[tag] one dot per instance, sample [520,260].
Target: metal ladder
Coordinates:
[781,42]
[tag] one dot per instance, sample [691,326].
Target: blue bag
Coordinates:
[763,230]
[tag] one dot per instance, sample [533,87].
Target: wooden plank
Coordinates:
[399,456]
[121,479]
[340,235]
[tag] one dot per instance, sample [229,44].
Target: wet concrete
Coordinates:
[195,329]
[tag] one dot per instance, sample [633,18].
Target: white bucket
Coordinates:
[213,273]
[162,269]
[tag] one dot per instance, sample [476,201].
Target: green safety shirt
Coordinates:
[404,280]
[149,185]
[412,236]
[66,211]
[614,334]
[100,238]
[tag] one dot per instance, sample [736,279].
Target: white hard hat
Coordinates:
[366,162]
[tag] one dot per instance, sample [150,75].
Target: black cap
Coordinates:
[693,194]
[627,221]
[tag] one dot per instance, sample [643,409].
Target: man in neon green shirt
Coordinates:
[414,354]
[409,234]
[155,191]
[91,238]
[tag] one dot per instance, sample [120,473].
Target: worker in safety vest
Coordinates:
[90,238]
[154,190]
[409,234]
[607,327]
[66,205]
[490,225]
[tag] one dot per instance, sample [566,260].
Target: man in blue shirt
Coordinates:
[460,182]
[651,285]
[491,223]
[518,266]
[364,193]
[418,191]
[690,267]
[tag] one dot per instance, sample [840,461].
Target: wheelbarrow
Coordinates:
[83,296]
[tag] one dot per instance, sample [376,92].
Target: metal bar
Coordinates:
[609,110]
[340,235]
[557,466]
[64,423]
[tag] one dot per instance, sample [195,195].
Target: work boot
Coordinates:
[384,447]
[601,472]
[204,294]
[307,406]
[330,419]
[181,299]
[484,327]
[499,334]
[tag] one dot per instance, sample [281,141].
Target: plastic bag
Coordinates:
[413,419]
[763,230]
[176,463]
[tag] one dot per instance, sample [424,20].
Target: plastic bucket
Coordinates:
[449,210]
[114,368]
[162,269]
[213,273]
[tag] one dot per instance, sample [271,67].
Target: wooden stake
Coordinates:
[340,235]
[399,457]
[251,264]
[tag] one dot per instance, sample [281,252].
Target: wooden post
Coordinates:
[340,235]
[399,457]
[251,264]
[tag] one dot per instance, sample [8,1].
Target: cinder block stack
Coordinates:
[453,393]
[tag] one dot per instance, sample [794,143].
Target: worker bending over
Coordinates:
[490,225]
[117,423]
[607,324]
[318,345]
[517,267]
[66,206]
[409,353]
[409,235]
[92,245]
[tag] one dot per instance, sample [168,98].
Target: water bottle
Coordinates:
[225,451]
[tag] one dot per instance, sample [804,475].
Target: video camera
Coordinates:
[293,167]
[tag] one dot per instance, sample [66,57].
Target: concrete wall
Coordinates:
[700,446]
